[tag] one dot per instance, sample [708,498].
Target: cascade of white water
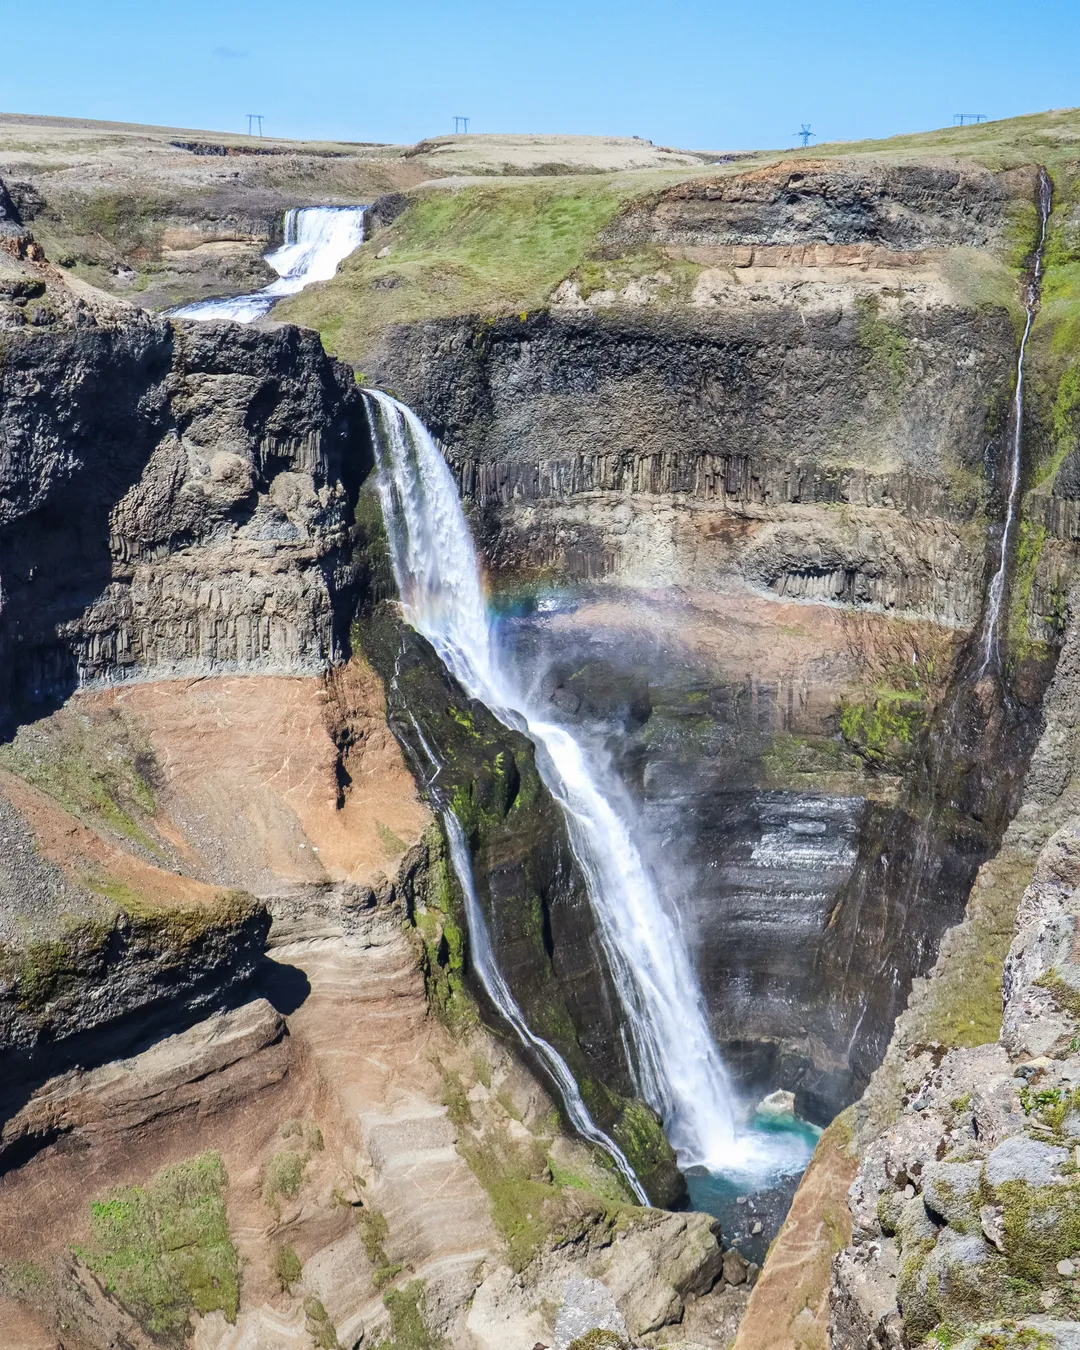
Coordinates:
[317,240]
[676,1061]
[1031,303]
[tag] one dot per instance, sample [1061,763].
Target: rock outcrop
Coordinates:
[176,499]
[894,207]
[965,1209]
[529,883]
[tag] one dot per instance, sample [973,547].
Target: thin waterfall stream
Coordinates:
[317,240]
[677,1065]
[996,594]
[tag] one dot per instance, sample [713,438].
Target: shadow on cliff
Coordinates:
[24,1072]
[80,416]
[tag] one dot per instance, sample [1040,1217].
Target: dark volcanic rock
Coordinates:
[900,206]
[173,498]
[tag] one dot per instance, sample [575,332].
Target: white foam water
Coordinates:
[677,1065]
[317,240]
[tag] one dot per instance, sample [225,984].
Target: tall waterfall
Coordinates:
[677,1065]
[1031,304]
[317,240]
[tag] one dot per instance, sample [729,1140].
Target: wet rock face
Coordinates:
[527,881]
[175,498]
[810,911]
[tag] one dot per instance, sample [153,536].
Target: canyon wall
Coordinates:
[751,449]
[176,500]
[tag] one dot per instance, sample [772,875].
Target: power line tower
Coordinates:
[962,119]
[805,134]
[461,124]
[252,119]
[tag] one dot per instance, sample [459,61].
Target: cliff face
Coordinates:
[749,454]
[674,386]
[173,501]
[530,887]
[176,500]
[692,452]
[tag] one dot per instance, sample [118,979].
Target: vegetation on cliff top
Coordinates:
[485,250]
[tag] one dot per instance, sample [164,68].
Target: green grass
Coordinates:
[178,925]
[374,1231]
[963,1003]
[884,344]
[319,1327]
[884,729]
[392,845]
[285,1171]
[983,282]
[1064,995]
[442,942]
[46,968]
[487,250]
[599,1339]
[1029,546]
[1051,138]
[164,1251]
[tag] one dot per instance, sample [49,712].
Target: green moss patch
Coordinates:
[519,1192]
[285,1171]
[670,281]
[599,1339]
[287,1267]
[46,968]
[374,1231]
[318,1325]
[1064,995]
[886,347]
[164,1251]
[884,728]
[963,1003]
[1042,1227]
[408,1325]
[440,924]
[640,1135]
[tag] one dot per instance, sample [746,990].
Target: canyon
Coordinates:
[733,442]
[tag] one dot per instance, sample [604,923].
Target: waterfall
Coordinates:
[676,1063]
[1031,304]
[317,240]
[483,958]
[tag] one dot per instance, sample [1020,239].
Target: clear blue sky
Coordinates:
[688,73]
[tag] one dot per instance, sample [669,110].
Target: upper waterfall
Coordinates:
[677,1065]
[317,240]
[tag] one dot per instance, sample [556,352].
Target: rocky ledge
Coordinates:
[966,1211]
